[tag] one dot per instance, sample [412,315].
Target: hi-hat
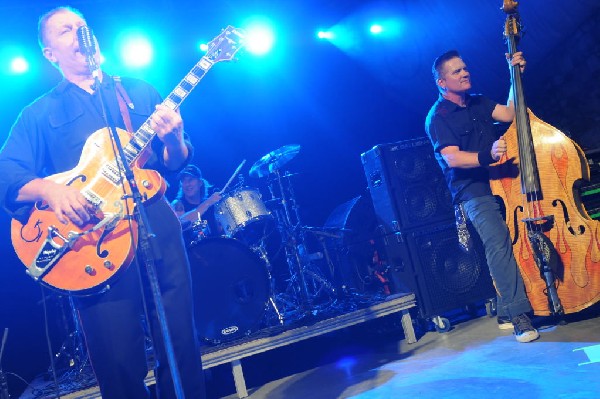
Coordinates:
[274,160]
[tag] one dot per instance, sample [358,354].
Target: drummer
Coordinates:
[193,202]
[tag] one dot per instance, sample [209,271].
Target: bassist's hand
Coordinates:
[517,59]
[498,148]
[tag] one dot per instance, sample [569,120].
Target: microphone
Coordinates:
[87,47]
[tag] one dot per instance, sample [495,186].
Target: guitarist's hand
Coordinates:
[67,203]
[168,126]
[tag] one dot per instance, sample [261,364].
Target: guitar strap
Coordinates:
[124,103]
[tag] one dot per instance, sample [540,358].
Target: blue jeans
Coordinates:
[484,213]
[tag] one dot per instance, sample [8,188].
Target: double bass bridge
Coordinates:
[540,223]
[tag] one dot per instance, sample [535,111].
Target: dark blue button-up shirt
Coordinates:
[470,128]
[49,134]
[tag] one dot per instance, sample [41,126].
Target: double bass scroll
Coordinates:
[555,242]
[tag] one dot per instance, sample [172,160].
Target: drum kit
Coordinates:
[239,284]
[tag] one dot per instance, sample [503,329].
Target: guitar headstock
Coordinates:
[510,6]
[226,45]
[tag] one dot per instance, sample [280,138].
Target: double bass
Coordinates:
[555,242]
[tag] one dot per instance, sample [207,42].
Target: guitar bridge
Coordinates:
[50,252]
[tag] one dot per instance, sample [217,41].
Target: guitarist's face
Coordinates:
[62,46]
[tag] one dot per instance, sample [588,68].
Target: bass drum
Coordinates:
[230,287]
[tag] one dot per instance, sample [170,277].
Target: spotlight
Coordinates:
[376,29]
[136,51]
[259,39]
[325,34]
[19,65]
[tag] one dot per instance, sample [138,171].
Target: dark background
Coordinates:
[334,103]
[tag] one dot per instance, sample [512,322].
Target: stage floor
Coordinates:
[475,359]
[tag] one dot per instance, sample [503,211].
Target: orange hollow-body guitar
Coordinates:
[88,259]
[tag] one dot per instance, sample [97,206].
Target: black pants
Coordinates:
[113,328]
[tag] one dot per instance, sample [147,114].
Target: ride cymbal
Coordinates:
[274,160]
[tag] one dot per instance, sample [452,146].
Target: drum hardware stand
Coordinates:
[289,238]
[72,348]
[308,281]
[321,235]
[262,253]
[298,294]
[312,271]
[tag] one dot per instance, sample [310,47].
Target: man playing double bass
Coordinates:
[461,128]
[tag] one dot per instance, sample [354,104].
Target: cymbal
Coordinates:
[272,200]
[325,231]
[274,160]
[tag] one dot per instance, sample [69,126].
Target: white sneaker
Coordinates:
[524,331]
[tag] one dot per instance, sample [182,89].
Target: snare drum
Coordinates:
[242,214]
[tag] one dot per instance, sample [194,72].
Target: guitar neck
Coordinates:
[144,135]
[221,48]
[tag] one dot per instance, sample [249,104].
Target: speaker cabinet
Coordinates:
[407,186]
[430,263]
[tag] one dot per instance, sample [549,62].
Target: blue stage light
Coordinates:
[19,65]
[325,34]
[259,39]
[376,29]
[136,51]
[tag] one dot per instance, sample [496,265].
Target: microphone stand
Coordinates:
[3,384]
[149,248]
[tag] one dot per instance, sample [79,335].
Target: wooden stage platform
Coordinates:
[234,352]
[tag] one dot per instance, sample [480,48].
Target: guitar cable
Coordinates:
[50,351]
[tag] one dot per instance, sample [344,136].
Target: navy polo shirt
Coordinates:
[472,129]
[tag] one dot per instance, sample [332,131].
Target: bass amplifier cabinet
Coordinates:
[430,263]
[407,186]
[590,191]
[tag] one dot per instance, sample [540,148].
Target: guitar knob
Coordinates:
[90,270]
[146,184]
[109,265]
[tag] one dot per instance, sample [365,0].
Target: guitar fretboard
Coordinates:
[145,134]
[223,47]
